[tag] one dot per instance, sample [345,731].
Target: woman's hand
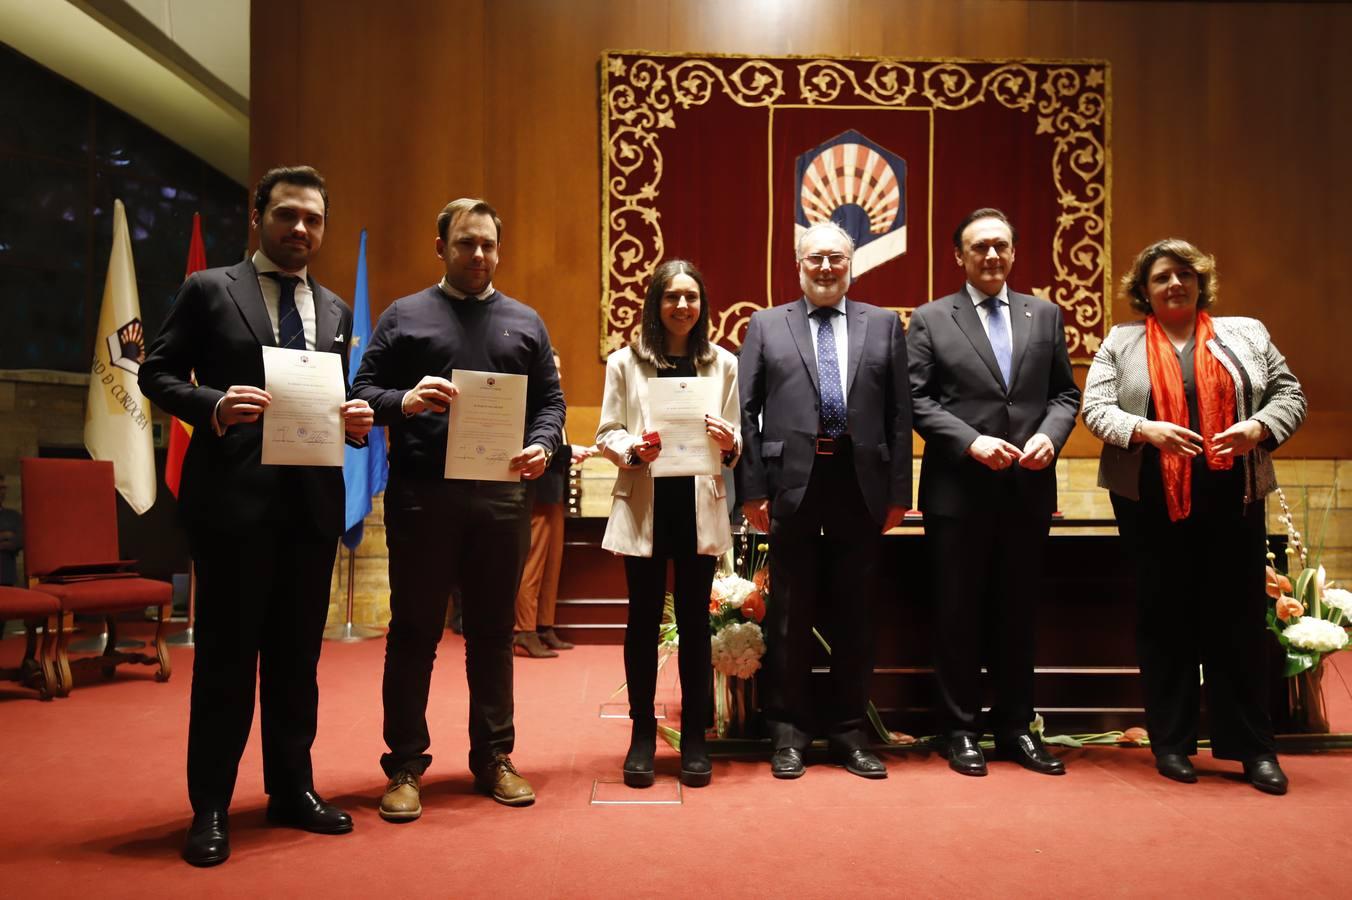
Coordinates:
[1239,438]
[721,430]
[645,452]
[1171,438]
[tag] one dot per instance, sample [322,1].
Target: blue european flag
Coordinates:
[365,469]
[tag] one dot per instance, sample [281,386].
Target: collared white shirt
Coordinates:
[272,297]
[451,292]
[838,332]
[983,313]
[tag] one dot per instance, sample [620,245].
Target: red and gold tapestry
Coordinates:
[721,159]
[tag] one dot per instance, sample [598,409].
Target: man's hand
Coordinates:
[242,403]
[722,431]
[1038,453]
[581,454]
[757,513]
[894,516]
[1239,438]
[358,417]
[994,453]
[1171,438]
[433,392]
[530,462]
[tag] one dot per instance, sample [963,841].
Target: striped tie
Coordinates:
[290,331]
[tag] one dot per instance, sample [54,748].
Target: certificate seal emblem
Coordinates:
[492,381]
[479,449]
[300,431]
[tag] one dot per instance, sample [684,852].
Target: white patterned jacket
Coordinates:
[1117,396]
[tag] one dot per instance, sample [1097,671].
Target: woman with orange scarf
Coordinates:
[1189,408]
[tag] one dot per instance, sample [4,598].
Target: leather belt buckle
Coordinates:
[826,446]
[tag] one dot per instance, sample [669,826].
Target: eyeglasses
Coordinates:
[815,260]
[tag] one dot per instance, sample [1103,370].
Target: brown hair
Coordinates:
[652,335]
[301,176]
[457,208]
[1204,264]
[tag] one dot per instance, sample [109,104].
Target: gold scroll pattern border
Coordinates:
[640,97]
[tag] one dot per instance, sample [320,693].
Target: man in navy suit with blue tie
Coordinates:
[826,469]
[994,399]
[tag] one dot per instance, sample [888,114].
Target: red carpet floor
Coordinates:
[92,801]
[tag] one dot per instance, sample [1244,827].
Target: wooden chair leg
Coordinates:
[45,655]
[63,677]
[161,645]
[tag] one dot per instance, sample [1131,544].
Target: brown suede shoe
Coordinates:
[550,638]
[500,780]
[527,643]
[401,802]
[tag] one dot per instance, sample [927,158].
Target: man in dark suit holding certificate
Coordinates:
[995,400]
[826,468]
[443,533]
[262,536]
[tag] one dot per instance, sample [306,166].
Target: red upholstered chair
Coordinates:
[41,613]
[70,546]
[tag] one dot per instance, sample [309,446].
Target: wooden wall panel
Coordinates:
[1227,123]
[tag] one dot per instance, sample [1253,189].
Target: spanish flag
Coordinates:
[180,432]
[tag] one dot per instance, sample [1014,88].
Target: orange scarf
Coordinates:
[1215,405]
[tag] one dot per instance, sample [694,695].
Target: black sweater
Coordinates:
[429,333]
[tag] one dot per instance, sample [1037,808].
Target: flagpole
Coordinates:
[348,633]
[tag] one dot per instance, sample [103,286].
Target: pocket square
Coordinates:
[338,339]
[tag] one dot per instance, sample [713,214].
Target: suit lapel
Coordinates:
[965,315]
[326,318]
[248,296]
[802,336]
[855,332]
[1021,326]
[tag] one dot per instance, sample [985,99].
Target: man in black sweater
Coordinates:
[442,532]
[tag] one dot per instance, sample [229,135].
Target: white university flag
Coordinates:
[117,416]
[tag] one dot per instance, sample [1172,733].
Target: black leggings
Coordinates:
[647,579]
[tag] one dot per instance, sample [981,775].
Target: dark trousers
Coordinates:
[474,534]
[646,578]
[1201,600]
[262,601]
[987,571]
[824,562]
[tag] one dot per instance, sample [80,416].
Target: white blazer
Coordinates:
[624,418]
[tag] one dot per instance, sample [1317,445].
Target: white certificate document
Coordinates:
[303,425]
[487,426]
[676,410]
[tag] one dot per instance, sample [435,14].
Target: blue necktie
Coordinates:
[833,419]
[998,332]
[290,331]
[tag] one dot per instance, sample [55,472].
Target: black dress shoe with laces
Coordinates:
[1028,751]
[1265,775]
[1176,766]
[308,812]
[965,756]
[208,839]
[787,763]
[860,762]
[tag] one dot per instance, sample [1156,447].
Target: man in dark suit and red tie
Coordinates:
[826,469]
[262,537]
[994,400]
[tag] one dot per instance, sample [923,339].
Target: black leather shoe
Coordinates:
[208,839]
[1266,775]
[1028,751]
[696,769]
[860,762]
[308,812]
[638,762]
[965,756]
[787,763]
[1177,767]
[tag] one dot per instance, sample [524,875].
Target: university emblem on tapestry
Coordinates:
[723,160]
[854,182]
[127,347]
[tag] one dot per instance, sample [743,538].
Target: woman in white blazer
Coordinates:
[682,519]
[1189,409]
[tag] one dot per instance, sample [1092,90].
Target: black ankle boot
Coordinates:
[638,762]
[696,770]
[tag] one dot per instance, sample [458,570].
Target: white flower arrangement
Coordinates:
[1320,635]
[731,590]
[1339,599]
[738,648]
